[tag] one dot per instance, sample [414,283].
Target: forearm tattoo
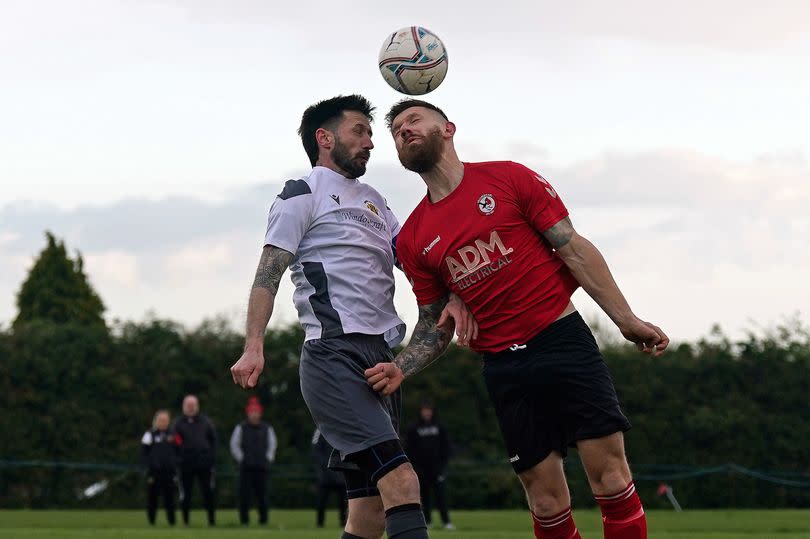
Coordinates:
[560,234]
[272,264]
[427,342]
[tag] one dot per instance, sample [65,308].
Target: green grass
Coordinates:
[783,524]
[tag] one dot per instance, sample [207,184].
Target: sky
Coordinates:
[154,135]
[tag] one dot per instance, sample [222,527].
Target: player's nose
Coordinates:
[406,132]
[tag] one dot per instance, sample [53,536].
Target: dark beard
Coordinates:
[343,159]
[425,156]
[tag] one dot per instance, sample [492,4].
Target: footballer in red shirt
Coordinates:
[499,236]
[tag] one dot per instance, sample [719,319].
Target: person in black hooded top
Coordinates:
[428,448]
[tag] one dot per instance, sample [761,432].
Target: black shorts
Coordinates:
[552,393]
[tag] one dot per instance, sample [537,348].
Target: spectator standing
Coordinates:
[428,448]
[159,457]
[327,480]
[197,440]
[253,446]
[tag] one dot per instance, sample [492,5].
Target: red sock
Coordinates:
[559,526]
[622,514]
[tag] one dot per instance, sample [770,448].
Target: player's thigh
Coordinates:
[605,463]
[366,517]
[588,404]
[350,415]
[400,486]
[527,414]
[545,486]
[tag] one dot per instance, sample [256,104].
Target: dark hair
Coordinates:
[407,103]
[325,114]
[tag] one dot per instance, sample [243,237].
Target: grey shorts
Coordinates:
[350,415]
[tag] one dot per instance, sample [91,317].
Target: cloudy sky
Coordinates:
[153,135]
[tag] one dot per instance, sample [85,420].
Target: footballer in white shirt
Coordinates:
[338,237]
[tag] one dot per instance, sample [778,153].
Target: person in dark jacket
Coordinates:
[327,480]
[253,446]
[428,448]
[197,439]
[159,457]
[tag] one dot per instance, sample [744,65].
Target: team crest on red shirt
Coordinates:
[486,204]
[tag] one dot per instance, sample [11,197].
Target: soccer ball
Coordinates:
[413,60]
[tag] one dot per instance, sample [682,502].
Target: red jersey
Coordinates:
[483,241]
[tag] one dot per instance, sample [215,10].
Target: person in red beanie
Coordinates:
[253,446]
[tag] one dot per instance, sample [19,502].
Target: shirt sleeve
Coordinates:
[146,448]
[290,216]
[427,286]
[391,220]
[272,444]
[236,443]
[538,200]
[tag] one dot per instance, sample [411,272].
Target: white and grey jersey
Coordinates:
[341,233]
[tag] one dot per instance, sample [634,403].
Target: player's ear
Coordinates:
[324,138]
[449,129]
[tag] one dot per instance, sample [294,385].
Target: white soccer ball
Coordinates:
[413,60]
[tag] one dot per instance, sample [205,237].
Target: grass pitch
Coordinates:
[740,524]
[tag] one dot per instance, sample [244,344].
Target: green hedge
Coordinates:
[83,394]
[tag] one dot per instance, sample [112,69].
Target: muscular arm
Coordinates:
[428,341]
[274,261]
[591,271]
[271,267]
[236,444]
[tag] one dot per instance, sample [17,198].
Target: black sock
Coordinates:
[406,522]
[347,535]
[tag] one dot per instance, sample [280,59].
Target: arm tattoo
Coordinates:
[271,267]
[427,342]
[560,234]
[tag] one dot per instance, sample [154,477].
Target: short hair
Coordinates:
[324,114]
[408,103]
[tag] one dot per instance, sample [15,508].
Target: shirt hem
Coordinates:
[537,329]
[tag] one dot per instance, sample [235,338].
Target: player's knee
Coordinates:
[548,504]
[400,485]
[546,479]
[546,499]
[614,477]
[386,466]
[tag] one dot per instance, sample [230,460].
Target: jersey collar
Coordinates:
[329,173]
